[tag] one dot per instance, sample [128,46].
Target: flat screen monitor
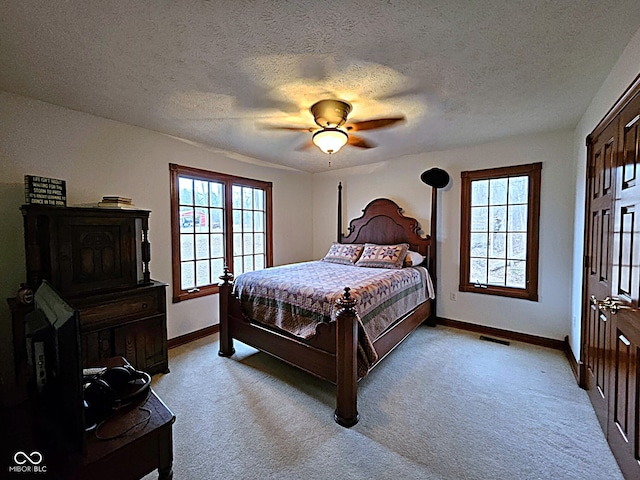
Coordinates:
[53,344]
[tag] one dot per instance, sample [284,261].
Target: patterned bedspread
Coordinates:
[296,297]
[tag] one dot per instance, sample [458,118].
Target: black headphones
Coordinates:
[114,388]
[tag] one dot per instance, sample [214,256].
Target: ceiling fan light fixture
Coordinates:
[330,113]
[330,140]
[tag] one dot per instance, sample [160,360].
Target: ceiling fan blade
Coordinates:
[375,123]
[305,146]
[283,127]
[360,142]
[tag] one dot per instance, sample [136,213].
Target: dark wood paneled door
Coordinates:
[624,402]
[611,319]
[597,348]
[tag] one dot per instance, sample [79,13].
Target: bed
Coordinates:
[337,334]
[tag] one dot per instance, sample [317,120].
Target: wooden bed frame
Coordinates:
[331,353]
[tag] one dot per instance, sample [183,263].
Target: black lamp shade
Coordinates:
[435,177]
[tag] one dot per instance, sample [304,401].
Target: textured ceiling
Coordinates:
[216,72]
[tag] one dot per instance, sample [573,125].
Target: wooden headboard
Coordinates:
[382,222]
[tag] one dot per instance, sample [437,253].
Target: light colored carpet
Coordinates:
[443,405]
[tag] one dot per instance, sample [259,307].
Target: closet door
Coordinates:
[597,333]
[624,404]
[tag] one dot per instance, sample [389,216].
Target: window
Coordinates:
[216,220]
[499,231]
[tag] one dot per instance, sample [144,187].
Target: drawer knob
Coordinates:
[144,305]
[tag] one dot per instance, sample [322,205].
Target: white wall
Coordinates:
[622,75]
[100,157]
[399,180]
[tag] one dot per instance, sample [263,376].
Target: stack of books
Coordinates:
[116,202]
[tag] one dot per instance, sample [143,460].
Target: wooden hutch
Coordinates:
[98,260]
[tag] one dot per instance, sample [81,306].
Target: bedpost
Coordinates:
[436,178]
[346,413]
[339,212]
[433,252]
[226,342]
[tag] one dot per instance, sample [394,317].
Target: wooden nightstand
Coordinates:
[133,442]
[144,448]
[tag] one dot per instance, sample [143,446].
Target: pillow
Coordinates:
[383,256]
[343,253]
[413,258]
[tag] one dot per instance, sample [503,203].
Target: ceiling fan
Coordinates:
[333,131]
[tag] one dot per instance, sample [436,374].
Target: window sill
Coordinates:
[203,292]
[500,291]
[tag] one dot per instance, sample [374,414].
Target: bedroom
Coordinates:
[97,157]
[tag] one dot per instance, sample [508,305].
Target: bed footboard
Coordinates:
[337,365]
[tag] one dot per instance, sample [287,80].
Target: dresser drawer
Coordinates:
[128,323]
[124,308]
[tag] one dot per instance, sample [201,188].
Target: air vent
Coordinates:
[494,340]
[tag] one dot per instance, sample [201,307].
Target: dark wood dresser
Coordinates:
[97,259]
